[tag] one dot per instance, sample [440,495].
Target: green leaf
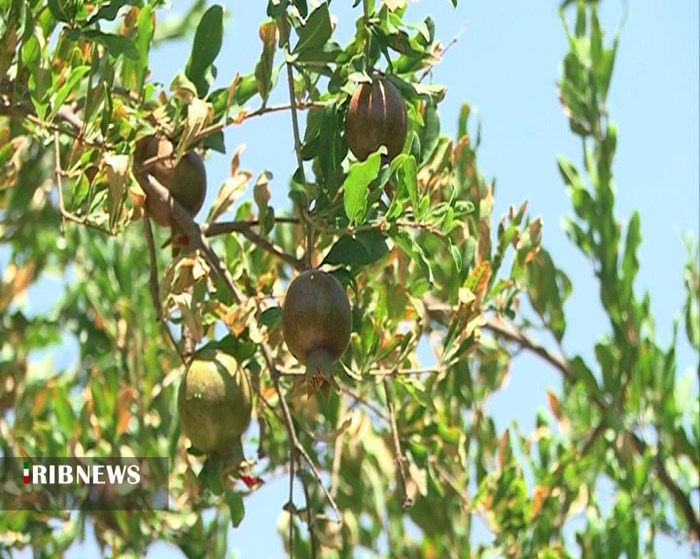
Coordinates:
[301,6]
[205,48]
[245,90]
[215,142]
[407,176]
[75,76]
[210,475]
[416,253]
[62,10]
[417,391]
[316,32]
[233,345]
[630,261]
[548,288]
[64,411]
[116,45]
[583,374]
[263,69]
[356,187]
[320,56]
[271,317]
[236,507]
[358,250]
[144,36]
[276,8]
[261,195]
[110,11]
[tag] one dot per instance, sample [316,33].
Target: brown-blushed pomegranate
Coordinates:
[376,117]
[214,401]
[316,323]
[186,180]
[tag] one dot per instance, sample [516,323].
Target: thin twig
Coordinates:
[377,372]
[510,332]
[272,248]
[154,288]
[186,223]
[561,364]
[295,122]
[194,233]
[335,468]
[338,448]
[243,115]
[225,227]
[309,237]
[449,45]
[382,225]
[286,414]
[585,448]
[400,460]
[59,180]
[463,495]
[681,499]
[74,122]
[367,45]
[65,215]
[153,278]
[358,399]
[290,505]
[309,513]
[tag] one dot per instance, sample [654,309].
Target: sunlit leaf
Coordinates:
[356,187]
[205,48]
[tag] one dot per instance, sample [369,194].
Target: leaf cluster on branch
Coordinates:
[410,236]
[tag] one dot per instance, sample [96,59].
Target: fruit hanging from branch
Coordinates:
[186,179]
[316,323]
[214,401]
[376,117]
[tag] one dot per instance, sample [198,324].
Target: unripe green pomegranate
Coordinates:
[214,401]
[376,117]
[186,181]
[316,323]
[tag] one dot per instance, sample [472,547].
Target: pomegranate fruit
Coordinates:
[214,401]
[186,180]
[316,324]
[376,117]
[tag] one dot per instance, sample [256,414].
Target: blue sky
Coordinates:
[506,65]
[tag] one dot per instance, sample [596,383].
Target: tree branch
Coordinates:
[681,499]
[286,414]
[290,504]
[198,240]
[400,460]
[154,288]
[273,249]
[64,114]
[224,227]
[310,226]
[513,334]
[244,115]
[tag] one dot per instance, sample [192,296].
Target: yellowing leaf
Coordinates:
[117,167]
[199,113]
[232,188]
[541,493]
[125,398]
[503,449]
[190,314]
